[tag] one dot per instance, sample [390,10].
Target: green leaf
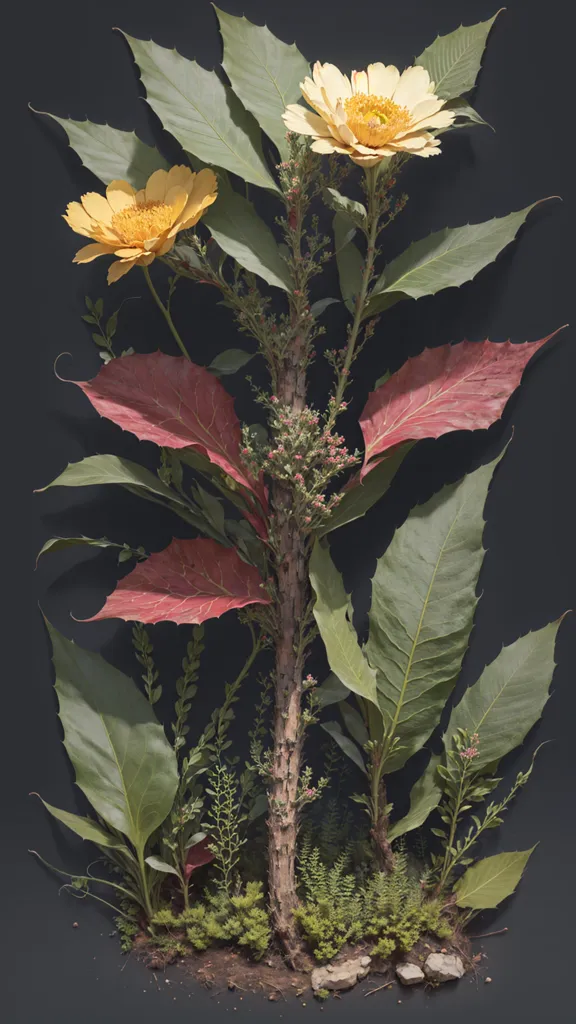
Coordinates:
[264,72]
[160,865]
[454,60]
[60,543]
[87,829]
[359,497]
[491,880]
[122,759]
[96,470]
[465,115]
[333,617]
[242,234]
[346,745]
[317,308]
[230,361]
[423,603]
[331,691]
[425,796]
[201,112]
[109,152]
[445,259]
[349,259]
[343,204]
[354,723]
[509,696]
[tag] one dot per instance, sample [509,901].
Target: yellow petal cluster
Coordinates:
[371,115]
[136,226]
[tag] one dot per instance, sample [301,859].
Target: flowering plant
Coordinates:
[259,503]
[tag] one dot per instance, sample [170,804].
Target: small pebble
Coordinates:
[75,924]
[487,981]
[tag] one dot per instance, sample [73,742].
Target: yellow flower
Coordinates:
[135,225]
[376,113]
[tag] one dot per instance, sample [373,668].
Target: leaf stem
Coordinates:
[165,313]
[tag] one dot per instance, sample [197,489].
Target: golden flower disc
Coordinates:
[375,119]
[146,220]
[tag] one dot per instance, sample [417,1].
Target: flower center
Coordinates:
[375,120]
[147,220]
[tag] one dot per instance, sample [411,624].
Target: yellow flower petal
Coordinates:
[120,194]
[313,95]
[412,88]
[177,198]
[129,252]
[180,175]
[304,122]
[327,146]
[156,186]
[117,269]
[359,81]
[140,196]
[97,207]
[382,79]
[91,252]
[77,218]
[335,85]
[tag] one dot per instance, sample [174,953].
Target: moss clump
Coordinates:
[240,919]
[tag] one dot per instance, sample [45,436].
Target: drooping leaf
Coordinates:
[198,854]
[61,543]
[349,259]
[230,361]
[453,61]
[425,796]
[111,153]
[201,112]
[333,616]
[265,72]
[160,865]
[334,729]
[487,883]
[445,259]
[361,495]
[87,829]
[343,204]
[95,470]
[453,387]
[423,603]
[317,308]
[189,582]
[354,723]
[123,762]
[175,404]
[242,234]
[465,115]
[507,700]
[331,691]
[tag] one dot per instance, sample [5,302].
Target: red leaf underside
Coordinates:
[175,404]
[189,582]
[453,387]
[198,855]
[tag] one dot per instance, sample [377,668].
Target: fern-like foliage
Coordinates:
[396,911]
[331,911]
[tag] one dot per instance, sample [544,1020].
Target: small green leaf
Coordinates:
[349,259]
[60,543]
[87,829]
[96,470]
[242,234]
[331,691]
[334,729]
[317,308]
[160,865]
[360,497]
[342,204]
[491,880]
[425,796]
[230,361]
[453,61]
[264,72]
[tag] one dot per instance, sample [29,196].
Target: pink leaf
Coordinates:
[190,581]
[198,855]
[175,404]
[453,387]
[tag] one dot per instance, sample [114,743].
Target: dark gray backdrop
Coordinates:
[63,57]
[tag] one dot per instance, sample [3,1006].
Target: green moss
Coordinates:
[241,919]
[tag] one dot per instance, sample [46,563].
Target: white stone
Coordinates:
[410,974]
[340,976]
[443,967]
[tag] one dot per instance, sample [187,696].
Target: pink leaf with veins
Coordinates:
[453,387]
[190,581]
[198,855]
[175,404]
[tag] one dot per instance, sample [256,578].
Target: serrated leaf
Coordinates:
[507,700]
[445,259]
[423,603]
[264,72]
[491,880]
[349,259]
[189,582]
[111,153]
[361,495]
[244,236]
[201,112]
[334,729]
[454,60]
[123,762]
[452,387]
[332,614]
[425,796]
[87,829]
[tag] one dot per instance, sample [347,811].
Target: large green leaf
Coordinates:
[111,153]
[360,497]
[491,880]
[334,729]
[333,615]
[264,72]
[87,829]
[454,60]
[509,696]
[445,259]
[242,234]
[423,602]
[201,112]
[349,259]
[122,759]
[425,796]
